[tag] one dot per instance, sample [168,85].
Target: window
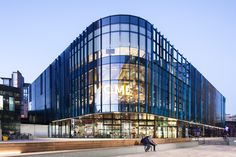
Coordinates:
[41,83]
[114,95]
[124,19]
[115,40]
[1,102]
[91,72]
[158,38]
[90,50]
[105,45]
[133,28]
[97,44]
[90,36]
[134,44]
[142,30]
[97,32]
[105,41]
[142,42]
[134,20]
[115,19]
[133,73]
[124,39]
[148,45]
[106,96]
[134,40]
[115,27]
[149,34]
[124,72]
[124,27]
[142,73]
[175,54]
[72,65]
[154,46]
[11,104]
[91,101]
[82,55]
[106,72]
[142,46]
[90,47]
[116,70]
[124,43]
[85,53]
[78,58]
[105,21]
[154,35]
[25,94]
[179,58]
[105,29]
[97,95]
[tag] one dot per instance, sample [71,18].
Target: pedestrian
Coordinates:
[152,142]
[226,131]
[146,143]
[74,134]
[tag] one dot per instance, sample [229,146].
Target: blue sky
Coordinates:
[33,33]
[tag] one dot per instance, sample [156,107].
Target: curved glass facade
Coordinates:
[122,78]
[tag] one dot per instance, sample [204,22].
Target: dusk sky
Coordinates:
[33,33]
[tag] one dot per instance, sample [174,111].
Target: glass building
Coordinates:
[121,78]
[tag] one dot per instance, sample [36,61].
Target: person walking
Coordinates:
[226,131]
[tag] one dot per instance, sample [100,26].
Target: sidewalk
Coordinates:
[45,145]
[199,151]
[185,149]
[106,152]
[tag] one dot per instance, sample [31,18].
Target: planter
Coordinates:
[5,138]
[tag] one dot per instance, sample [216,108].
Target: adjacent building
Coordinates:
[122,78]
[17,80]
[10,109]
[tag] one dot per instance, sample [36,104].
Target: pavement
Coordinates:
[199,151]
[102,152]
[211,148]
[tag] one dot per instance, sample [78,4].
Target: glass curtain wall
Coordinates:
[123,64]
[128,125]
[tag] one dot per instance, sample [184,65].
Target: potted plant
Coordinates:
[5,137]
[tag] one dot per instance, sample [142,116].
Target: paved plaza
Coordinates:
[196,151]
[199,151]
[212,147]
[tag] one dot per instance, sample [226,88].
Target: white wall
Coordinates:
[34,129]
